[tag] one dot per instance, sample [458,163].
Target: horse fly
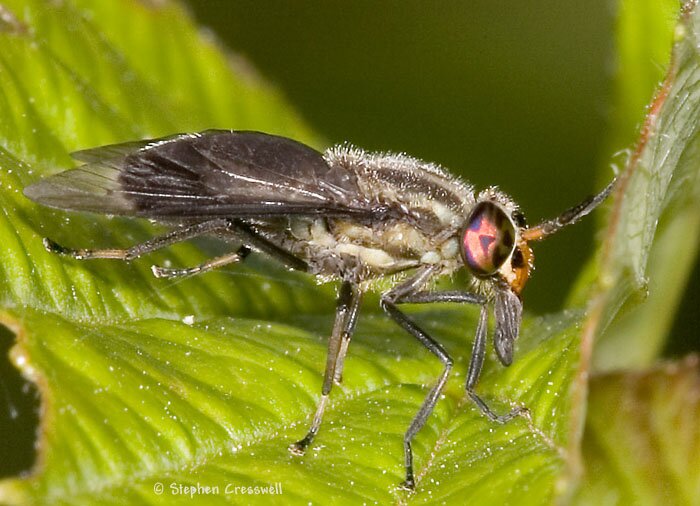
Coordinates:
[344,215]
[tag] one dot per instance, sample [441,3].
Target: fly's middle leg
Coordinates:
[431,399]
[343,328]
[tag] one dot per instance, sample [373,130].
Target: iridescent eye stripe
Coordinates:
[488,239]
[479,244]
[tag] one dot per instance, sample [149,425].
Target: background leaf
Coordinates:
[647,453]
[658,276]
[643,41]
[659,208]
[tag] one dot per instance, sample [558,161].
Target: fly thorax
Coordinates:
[320,235]
[450,249]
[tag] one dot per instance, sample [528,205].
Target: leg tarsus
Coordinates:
[409,483]
[299,447]
[86,254]
[53,247]
[489,413]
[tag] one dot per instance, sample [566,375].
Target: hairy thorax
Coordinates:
[423,210]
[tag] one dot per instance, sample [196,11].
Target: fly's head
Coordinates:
[494,247]
[492,244]
[495,253]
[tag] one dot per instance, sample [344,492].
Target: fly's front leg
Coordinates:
[343,327]
[410,292]
[475,365]
[178,235]
[478,350]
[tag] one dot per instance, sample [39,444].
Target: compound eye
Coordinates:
[488,240]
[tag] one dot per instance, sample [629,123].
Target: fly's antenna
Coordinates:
[548,227]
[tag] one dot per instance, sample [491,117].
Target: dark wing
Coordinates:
[209,174]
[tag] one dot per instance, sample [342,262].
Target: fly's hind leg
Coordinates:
[178,235]
[250,237]
[343,327]
[251,240]
[214,263]
[221,227]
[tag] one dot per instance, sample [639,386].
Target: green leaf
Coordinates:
[643,40]
[653,243]
[205,382]
[158,401]
[649,246]
[648,452]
